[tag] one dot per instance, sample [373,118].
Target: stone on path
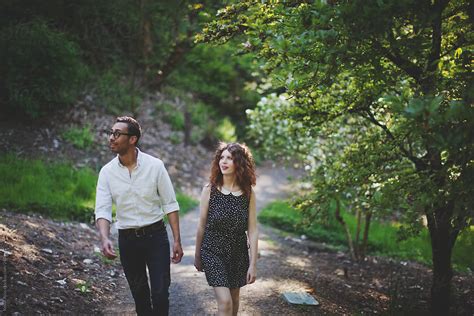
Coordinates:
[300,298]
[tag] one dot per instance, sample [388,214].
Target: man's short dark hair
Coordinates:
[132,125]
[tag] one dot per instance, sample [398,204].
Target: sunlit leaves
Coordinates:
[374,100]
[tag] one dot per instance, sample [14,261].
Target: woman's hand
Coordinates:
[251,274]
[198,263]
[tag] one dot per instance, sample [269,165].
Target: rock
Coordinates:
[56,298]
[61,282]
[300,298]
[87,261]
[5,252]
[339,272]
[377,284]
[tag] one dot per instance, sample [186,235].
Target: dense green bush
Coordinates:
[41,68]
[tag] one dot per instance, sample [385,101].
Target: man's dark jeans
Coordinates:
[149,250]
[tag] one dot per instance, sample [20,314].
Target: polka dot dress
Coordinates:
[224,250]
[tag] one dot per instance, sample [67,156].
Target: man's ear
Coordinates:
[133,139]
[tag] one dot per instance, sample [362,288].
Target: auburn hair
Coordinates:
[243,163]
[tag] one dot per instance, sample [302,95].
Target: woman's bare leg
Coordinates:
[235,294]
[224,301]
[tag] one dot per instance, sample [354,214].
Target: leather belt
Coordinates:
[142,231]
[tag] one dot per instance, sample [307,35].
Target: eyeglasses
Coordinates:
[116,134]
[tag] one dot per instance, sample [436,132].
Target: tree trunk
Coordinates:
[187,125]
[146,34]
[172,62]
[442,242]
[180,50]
[357,234]
[343,223]
[132,90]
[365,239]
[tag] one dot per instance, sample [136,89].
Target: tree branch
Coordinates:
[394,56]
[436,25]
[417,161]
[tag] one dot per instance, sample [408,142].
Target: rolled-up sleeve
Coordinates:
[166,191]
[103,198]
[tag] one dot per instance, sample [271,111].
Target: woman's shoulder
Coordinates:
[207,188]
[206,192]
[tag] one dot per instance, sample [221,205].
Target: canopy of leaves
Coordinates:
[379,98]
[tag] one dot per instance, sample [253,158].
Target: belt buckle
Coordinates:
[137,232]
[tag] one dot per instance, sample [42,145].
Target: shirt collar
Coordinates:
[139,158]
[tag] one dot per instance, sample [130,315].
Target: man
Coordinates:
[139,186]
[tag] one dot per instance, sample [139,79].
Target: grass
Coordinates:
[186,203]
[382,237]
[56,190]
[81,138]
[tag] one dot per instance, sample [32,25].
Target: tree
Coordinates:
[401,71]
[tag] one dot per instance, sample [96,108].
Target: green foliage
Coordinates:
[206,124]
[186,203]
[41,68]
[44,47]
[172,115]
[116,92]
[82,138]
[83,287]
[381,95]
[219,78]
[226,131]
[56,190]
[383,239]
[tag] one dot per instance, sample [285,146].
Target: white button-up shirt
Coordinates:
[141,197]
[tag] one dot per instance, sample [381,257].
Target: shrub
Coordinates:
[41,68]
[82,138]
[115,93]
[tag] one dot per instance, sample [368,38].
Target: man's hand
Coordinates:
[108,249]
[177,252]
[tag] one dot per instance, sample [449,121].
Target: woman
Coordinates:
[228,209]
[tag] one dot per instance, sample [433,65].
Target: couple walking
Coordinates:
[140,187]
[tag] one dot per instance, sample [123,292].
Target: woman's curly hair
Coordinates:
[244,167]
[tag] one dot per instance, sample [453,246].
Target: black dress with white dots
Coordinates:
[224,250]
